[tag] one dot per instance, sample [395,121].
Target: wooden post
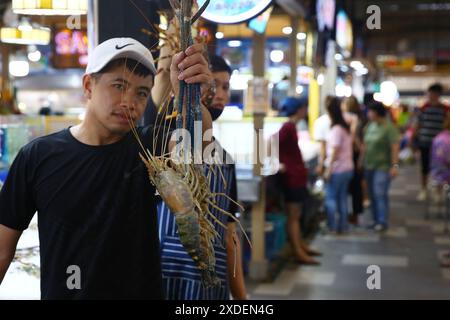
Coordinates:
[5,49]
[293,53]
[258,265]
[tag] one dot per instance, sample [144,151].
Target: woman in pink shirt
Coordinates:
[339,172]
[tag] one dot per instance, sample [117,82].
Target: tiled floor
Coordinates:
[407,257]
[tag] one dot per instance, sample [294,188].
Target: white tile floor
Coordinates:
[397,232]
[282,286]
[397,204]
[446,273]
[398,192]
[316,278]
[379,260]
[353,238]
[442,240]
[418,223]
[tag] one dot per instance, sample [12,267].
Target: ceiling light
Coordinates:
[50,7]
[287,30]
[276,56]
[320,79]
[34,56]
[234,43]
[301,36]
[19,68]
[25,33]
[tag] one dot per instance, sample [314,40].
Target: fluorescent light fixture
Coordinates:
[356,65]
[234,43]
[287,30]
[320,79]
[25,33]
[19,68]
[34,56]
[50,7]
[301,36]
[276,56]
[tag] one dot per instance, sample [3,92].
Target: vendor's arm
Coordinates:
[192,67]
[234,263]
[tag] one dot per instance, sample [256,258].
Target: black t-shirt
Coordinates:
[96,210]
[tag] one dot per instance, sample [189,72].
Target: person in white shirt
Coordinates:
[322,127]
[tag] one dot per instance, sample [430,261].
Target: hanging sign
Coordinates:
[233,11]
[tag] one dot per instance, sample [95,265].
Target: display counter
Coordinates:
[238,138]
[17,130]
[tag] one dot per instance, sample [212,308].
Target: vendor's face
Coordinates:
[433,97]
[222,96]
[301,113]
[372,115]
[116,95]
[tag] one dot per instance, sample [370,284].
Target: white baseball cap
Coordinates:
[116,48]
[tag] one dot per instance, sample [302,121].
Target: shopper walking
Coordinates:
[440,161]
[351,106]
[430,123]
[380,154]
[339,168]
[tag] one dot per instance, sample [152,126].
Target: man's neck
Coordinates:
[91,133]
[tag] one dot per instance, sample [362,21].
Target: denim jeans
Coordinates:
[378,182]
[336,200]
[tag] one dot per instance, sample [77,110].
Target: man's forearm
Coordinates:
[8,242]
[4,265]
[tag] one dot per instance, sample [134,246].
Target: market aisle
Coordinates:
[407,256]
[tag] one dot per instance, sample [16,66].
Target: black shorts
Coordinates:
[425,159]
[296,195]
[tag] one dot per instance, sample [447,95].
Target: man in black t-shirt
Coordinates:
[95,204]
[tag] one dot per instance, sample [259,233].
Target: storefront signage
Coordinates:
[344,31]
[233,11]
[70,48]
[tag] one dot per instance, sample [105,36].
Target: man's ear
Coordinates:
[88,82]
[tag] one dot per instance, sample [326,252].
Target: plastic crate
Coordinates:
[3,175]
[275,239]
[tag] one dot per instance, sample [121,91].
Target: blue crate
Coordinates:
[279,232]
[275,239]
[3,175]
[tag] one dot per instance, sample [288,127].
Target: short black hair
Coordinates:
[378,108]
[218,64]
[132,65]
[437,88]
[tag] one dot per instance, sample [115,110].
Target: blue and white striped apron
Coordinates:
[181,278]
